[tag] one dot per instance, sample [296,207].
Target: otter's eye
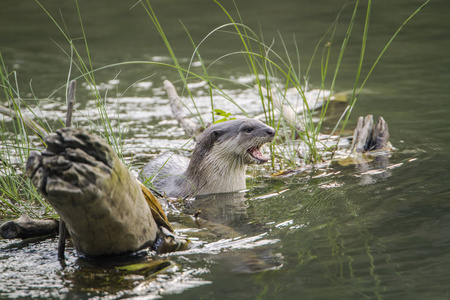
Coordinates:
[248,129]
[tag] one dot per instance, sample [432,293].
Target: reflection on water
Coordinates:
[30,268]
[321,236]
[376,231]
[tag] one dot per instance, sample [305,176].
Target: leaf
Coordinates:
[220,120]
[146,268]
[221,113]
[224,114]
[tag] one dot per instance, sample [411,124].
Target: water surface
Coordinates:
[343,233]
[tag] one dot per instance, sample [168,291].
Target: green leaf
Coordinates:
[145,267]
[221,113]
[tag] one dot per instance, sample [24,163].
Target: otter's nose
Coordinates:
[270,131]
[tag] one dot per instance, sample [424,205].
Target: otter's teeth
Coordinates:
[256,153]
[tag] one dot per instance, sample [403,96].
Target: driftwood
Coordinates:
[100,201]
[370,144]
[25,227]
[37,129]
[190,128]
[368,137]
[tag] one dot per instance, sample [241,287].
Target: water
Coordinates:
[353,232]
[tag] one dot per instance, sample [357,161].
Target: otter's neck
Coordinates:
[216,172]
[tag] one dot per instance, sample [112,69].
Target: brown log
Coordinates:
[25,227]
[100,201]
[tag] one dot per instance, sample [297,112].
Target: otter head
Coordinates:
[236,140]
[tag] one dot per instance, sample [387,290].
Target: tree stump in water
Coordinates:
[368,137]
[102,204]
[370,143]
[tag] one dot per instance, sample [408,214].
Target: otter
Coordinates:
[218,160]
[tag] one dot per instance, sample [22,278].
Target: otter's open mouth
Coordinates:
[255,153]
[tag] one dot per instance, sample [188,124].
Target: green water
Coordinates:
[353,234]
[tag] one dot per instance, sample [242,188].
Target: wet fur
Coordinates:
[217,164]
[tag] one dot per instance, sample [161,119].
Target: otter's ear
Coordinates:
[213,137]
[215,134]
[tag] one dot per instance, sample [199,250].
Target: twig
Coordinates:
[62,224]
[28,122]
[70,103]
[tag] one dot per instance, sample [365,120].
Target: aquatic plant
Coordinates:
[17,194]
[278,74]
[112,134]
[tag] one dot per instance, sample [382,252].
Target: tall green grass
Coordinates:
[81,61]
[281,71]
[17,193]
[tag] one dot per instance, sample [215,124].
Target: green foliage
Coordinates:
[112,134]
[17,193]
[225,115]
